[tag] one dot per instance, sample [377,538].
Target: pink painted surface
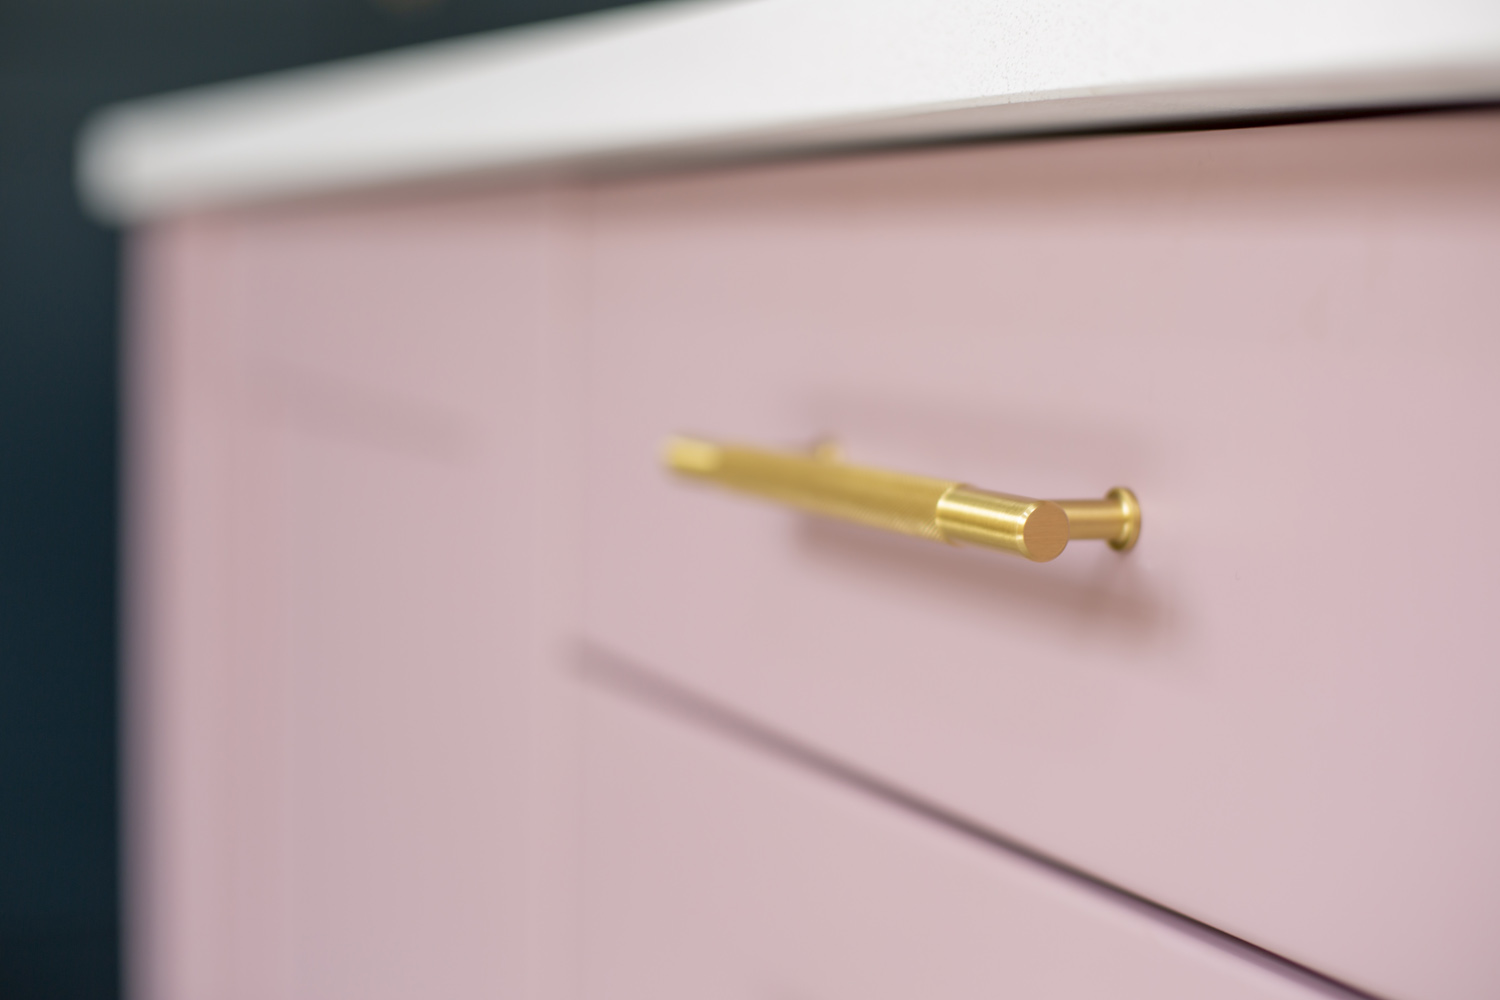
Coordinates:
[711,870]
[175,851]
[1278,713]
[337,598]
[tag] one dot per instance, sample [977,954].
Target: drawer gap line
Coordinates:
[609,671]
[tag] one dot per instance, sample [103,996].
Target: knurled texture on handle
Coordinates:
[890,500]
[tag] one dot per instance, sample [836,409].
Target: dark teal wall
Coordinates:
[59,425]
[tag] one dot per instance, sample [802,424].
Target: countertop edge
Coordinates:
[696,79]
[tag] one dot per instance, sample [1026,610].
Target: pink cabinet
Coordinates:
[397,494]
[1276,713]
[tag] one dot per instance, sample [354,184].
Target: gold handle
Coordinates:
[938,509]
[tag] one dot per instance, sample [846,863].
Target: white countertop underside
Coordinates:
[722,77]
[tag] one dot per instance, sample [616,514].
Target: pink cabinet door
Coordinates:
[714,869]
[1278,713]
[336,591]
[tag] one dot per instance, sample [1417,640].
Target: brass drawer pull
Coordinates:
[937,509]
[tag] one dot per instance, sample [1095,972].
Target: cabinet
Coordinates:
[1273,714]
[440,684]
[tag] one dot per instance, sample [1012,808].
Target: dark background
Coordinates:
[60,460]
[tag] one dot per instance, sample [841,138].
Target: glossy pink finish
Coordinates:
[1279,713]
[338,599]
[711,870]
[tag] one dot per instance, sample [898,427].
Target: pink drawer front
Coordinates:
[1277,713]
[713,869]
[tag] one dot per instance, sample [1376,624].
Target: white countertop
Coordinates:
[696,78]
